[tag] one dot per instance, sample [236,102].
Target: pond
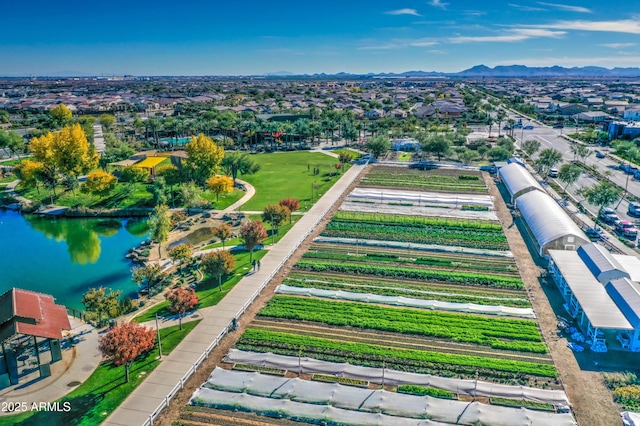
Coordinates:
[65,257]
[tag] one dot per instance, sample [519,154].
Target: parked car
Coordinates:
[608,215]
[553,173]
[600,154]
[506,128]
[558,126]
[627,229]
[634,209]
[529,127]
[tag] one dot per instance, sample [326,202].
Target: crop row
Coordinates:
[467,278]
[498,333]
[418,234]
[427,261]
[351,216]
[416,292]
[442,364]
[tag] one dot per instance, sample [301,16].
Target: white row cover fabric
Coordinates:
[394,377]
[419,197]
[406,301]
[414,246]
[629,418]
[518,180]
[422,210]
[376,401]
[547,220]
[298,411]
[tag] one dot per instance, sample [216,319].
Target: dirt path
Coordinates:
[592,401]
[172,413]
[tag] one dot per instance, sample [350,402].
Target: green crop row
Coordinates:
[430,261]
[373,355]
[468,278]
[349,216]
[498,333]
[426,391]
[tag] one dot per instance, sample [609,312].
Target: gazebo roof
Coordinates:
[31,313]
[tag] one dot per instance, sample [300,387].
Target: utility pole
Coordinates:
[158,333]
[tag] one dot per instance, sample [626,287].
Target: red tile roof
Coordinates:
[35,314]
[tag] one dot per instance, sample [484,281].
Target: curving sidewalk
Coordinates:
[167,379]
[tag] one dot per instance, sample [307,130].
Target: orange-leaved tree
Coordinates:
[252,233]
[223,232]
[182,300]
[218,264]
[125,342]
[291,203]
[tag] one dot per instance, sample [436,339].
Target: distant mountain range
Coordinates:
[479,71]
[502,71]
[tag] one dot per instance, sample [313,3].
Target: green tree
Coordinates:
[134,175]
[204,158]
[569,173]
[239,162]
[438,145]
[101,302]
[29,172]
[530,147]
[602,195]
[150,274]
[580,151]
[191,195]
[12,142]
[61,115]
[160,225]
[218,264]
[275,215]
[107,121]
[547,159]
[378,145]
[172,176]
[181,253]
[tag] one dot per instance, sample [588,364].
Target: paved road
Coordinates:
[137,408]
[98,138]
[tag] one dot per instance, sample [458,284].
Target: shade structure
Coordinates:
[551,227]
[518,180]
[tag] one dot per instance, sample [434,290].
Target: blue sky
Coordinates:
[254,36]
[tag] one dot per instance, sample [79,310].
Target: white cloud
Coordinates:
[438,52]
[527,8]
[566,7]
[621,26]
[399,44]
[514,35]
[617,45]
[438,3]
[403,12]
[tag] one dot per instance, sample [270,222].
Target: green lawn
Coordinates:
[12,162]
[94,400]
[123,196]
[208,290]
[290,174]
[8,178]
[225,200]
[355,155]
[281,233]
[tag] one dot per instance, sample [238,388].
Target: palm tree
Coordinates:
[500,118]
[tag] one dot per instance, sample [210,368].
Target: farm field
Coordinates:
[430,309]
[413,229]
[447,180]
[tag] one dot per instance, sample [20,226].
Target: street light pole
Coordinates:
[158,333]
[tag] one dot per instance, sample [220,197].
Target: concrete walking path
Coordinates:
[140,405]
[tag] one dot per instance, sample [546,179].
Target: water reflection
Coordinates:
[80,235]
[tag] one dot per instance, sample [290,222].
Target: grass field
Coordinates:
[290,174]
[207,290]
[95,399]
